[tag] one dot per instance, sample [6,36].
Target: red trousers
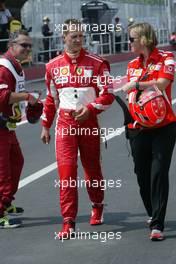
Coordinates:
[69,139]
[11,164]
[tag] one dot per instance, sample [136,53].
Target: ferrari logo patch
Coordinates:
[79,71]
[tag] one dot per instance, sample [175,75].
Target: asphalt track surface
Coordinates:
[122,239]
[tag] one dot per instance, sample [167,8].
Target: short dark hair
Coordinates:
[69,22]
[13,36]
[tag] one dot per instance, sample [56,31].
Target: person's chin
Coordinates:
[24,57]
[78,48]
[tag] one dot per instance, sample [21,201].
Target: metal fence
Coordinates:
[102,44]
[159,14]
[98,43]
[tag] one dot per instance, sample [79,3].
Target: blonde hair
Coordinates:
[146,34]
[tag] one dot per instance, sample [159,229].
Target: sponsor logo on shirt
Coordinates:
[21,86]
[152,67]
[134,72]
[158,66]
[133,79]
[64,71]
[60,71]
[130,71]
[80,71]
[137,72]
[169,69]
[61,80]
[88,71]
[55,71]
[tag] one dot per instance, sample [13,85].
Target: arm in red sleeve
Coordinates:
[48,112]
[49,106]
[105,94]
[4,98]
[5,89]
[167,70]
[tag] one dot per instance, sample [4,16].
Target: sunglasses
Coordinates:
[132,39]
[25,45]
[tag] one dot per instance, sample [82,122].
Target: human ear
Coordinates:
[143,41]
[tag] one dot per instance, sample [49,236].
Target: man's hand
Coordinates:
[82,114]
[33,97]
[45,135]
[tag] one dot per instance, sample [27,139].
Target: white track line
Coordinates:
[37,175]
[53,166]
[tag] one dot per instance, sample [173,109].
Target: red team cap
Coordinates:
[34,112]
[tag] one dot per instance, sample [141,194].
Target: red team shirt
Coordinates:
[160,64]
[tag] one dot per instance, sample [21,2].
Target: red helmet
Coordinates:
[34,112]
[147,107]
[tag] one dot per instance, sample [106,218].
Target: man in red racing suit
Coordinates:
[75,82]
[12,97]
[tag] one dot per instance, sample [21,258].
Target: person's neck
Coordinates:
[146,54]
[71,54]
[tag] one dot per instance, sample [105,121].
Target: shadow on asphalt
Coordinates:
[109,219]
[126,221]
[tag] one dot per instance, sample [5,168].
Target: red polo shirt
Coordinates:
[160,64]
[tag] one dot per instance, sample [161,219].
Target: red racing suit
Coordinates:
[75,83]
[11,158]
